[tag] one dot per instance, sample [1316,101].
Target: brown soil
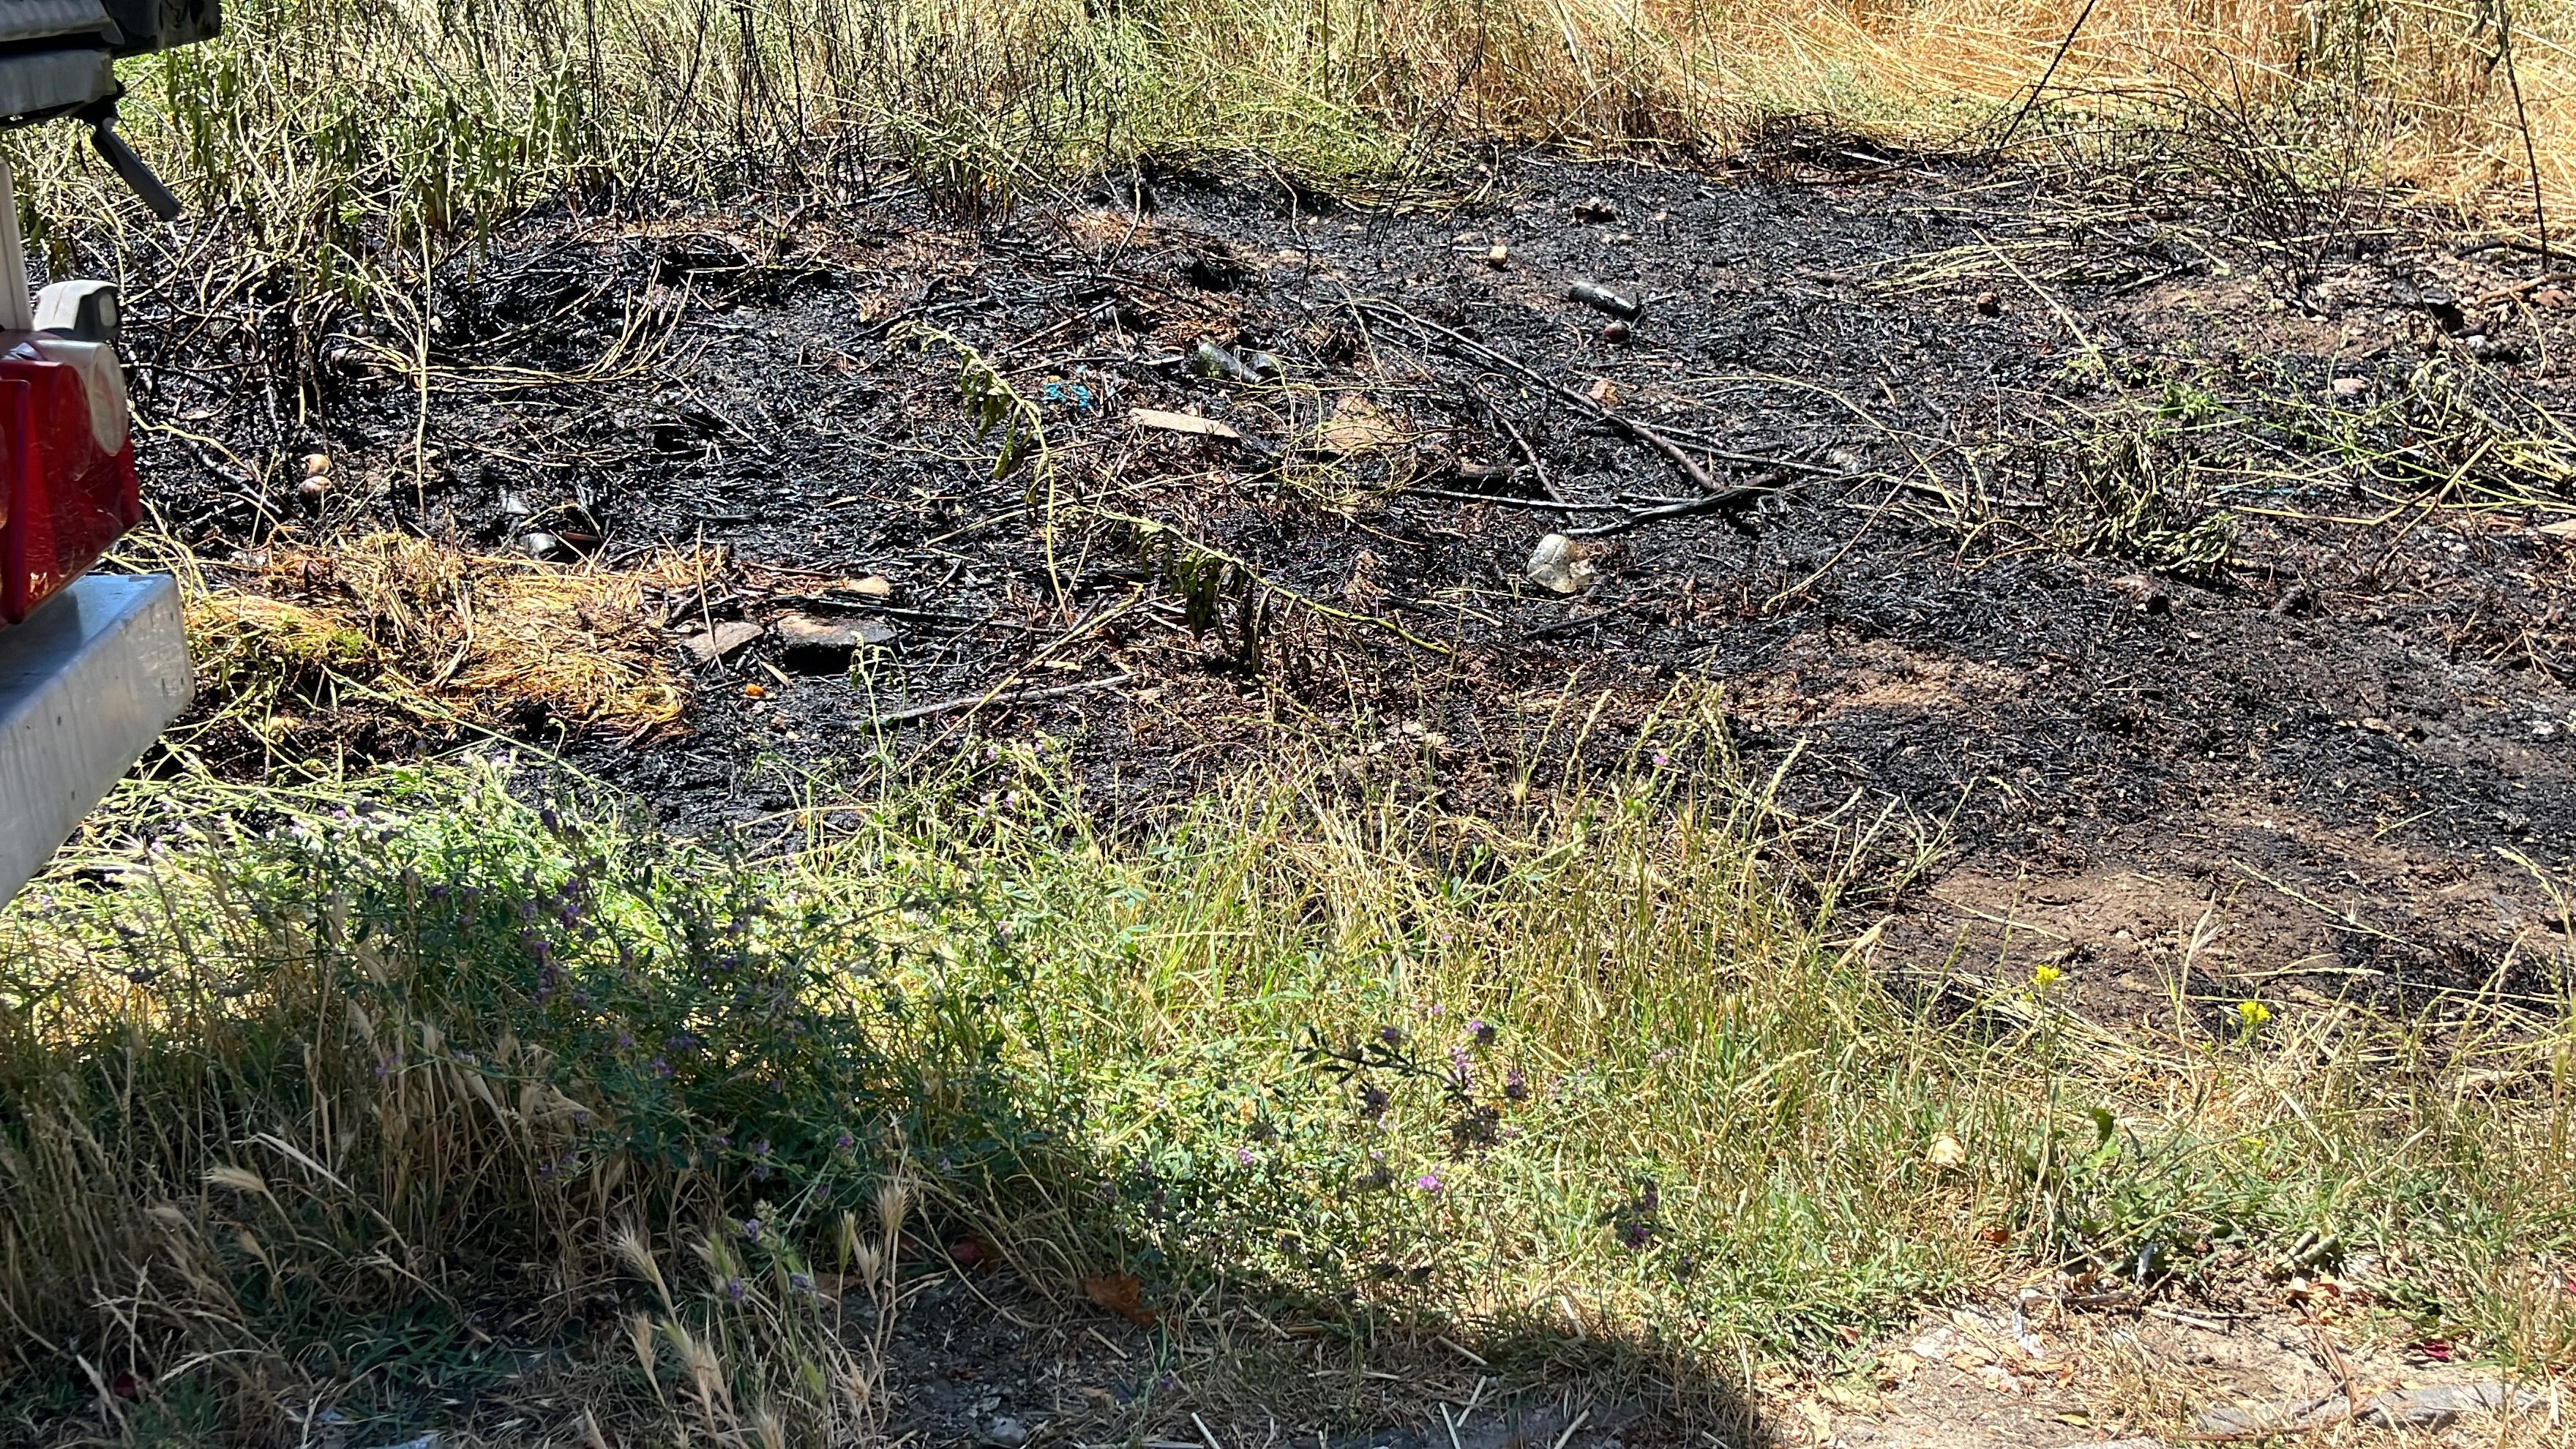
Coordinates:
[2032,1371]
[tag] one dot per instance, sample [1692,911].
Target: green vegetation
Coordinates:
[354,1100]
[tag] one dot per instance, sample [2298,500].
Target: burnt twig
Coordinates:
[1630,426]
[998,696]
[1718,502]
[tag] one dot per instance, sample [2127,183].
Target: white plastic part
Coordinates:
[87,682]
[82,308]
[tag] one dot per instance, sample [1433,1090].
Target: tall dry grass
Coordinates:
[343,135]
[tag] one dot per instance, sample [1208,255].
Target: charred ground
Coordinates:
[2187,570]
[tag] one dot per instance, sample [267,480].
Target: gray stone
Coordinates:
[722,640]
[828,643]
[2437,1406]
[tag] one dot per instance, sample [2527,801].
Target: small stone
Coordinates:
[2351,386]
[316,464]
[874,586]
[1945,1151]
[540,545]
[2550,297]
[1498,256]
[2437,1406]
[1603,392]
[722,640]
[1006,1432]
[1989,305]
[312,489]
[2145,592]
[827,643]
[1595,208]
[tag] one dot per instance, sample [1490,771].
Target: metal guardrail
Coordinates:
[87,682]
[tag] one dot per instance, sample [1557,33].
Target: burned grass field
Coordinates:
[1200,812]
[2164,562]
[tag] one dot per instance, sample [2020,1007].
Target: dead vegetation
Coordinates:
[385,630]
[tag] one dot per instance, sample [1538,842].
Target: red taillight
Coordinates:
[67,484]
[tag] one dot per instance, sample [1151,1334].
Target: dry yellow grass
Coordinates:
[2423,86]
[442,634]
[326,126]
